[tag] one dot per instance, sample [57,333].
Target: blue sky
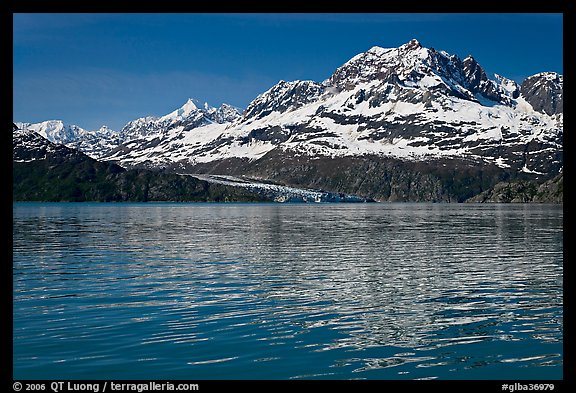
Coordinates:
[96,69]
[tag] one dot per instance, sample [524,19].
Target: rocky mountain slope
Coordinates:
[408,123]
[92,143]
[551,191]
[544,92]
[44,171]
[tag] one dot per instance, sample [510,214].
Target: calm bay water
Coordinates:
[271,291]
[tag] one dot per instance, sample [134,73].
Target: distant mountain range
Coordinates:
[393,124]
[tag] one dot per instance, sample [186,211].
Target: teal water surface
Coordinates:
[274,291]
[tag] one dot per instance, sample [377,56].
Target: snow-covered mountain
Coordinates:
[411,103]
[408,111]
[191,115]
[28,145]
[93,143]
[98,143]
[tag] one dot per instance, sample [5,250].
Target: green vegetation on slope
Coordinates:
[80,178]
[551,191]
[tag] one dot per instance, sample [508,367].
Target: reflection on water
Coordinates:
[193,291]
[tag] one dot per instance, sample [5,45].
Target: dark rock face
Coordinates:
[544,92]
[477,81]
[551,191]
[273,134]
[29,146]
[374,177]
[523,191]
[43,171]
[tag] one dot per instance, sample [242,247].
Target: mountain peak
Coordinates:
[104,129]
[412,44]
[184,111]
[189,106]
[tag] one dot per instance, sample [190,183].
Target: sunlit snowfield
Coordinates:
[273,291]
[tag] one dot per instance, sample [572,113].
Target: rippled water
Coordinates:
[271,291]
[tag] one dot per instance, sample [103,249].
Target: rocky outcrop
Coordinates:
[523,191]
[544,92]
